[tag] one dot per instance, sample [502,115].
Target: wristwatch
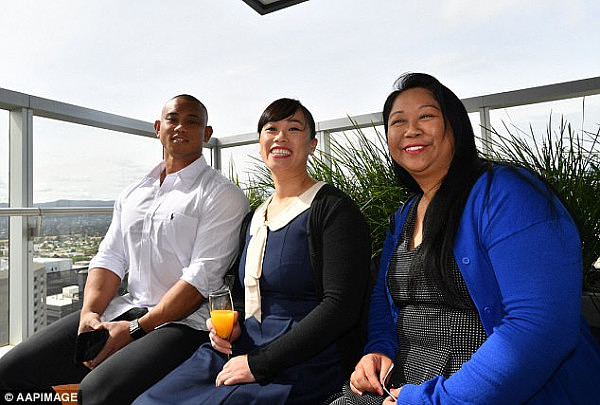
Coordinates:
[135,330]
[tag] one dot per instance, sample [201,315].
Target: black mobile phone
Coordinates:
[89,344]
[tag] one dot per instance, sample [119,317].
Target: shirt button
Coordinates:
[466,260]
[487,310]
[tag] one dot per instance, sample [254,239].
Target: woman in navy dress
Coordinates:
[303,274]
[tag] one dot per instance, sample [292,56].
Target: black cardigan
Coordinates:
[340,252]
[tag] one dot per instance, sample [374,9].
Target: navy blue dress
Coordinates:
[287,296]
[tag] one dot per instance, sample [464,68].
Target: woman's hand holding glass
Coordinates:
[220,344]
[223,325]
[368,374]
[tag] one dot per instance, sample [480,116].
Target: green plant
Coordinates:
[357,165]
[259,184]
[569,160]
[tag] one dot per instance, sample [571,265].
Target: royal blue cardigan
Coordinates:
[521,260]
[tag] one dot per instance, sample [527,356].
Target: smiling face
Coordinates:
[182,131]
[286,144]
[418,138]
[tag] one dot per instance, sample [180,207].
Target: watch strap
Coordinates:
[135,330]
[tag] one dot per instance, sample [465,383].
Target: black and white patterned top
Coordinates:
[435,335]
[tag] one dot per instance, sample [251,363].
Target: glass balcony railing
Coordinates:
[62,248]
[63,240]
[68,163]
[89,163]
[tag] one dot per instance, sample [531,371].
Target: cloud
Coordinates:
[242,71]
[491,14]
[466,12]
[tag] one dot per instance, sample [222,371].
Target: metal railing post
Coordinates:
[216,155]
[486,126]
[20,296]
[324,145]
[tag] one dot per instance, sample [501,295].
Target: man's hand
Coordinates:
[220,344]
[88,321]
[235,371]
[369,372]
[118,337]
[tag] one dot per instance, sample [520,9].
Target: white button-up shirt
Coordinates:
[187,229]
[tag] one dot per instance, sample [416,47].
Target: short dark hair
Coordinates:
[284,108]
[193,99]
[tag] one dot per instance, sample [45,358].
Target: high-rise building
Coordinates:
[39,298]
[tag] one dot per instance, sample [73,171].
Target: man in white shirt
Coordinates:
[176,233]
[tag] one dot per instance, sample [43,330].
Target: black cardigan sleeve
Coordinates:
[344,259]
[232,277]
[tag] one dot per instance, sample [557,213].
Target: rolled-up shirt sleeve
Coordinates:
[216,243]
[111,252]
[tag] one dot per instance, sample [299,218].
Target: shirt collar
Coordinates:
[188,175]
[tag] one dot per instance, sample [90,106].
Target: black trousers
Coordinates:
[46,359]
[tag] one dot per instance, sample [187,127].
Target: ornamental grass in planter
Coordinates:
[569,160]
[359,165]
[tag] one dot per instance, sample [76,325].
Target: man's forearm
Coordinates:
[180,301]
[100,287]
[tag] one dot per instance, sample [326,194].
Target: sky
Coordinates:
[339,57]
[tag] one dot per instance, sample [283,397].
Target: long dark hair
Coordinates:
[283,108]
[444,212]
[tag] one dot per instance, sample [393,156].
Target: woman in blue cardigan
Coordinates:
[479,287]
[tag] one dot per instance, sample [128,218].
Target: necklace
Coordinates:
[427,195]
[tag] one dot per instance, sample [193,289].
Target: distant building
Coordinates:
[39,301]
[55,291]
[60,305]
[59,273]
[61,294]
[39,298]
[52,264]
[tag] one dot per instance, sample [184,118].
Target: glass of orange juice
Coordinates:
[220,305]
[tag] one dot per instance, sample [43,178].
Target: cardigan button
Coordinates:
[487,310]
[466,260]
